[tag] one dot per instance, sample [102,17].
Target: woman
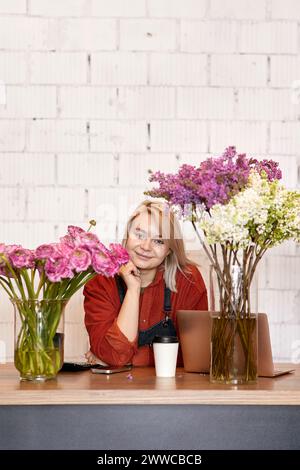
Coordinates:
[124,313]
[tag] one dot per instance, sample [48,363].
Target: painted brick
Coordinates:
[119,68]
[208,36]
[12,135]
[178,136]
[60,204]
[118,136]
[134,169]
[238,9]
[113,206]
[14,207]
[59,8]
[285,70]
[76,342]
[285,138]
[58,136]
[86,169]
[111,209]
[26,169]
[193,158]
[118,8]
[146,103]
[178,69]
[103,205]
[288,248]
[27,234]
[58,68]
[7,336]
[239,70]
[177,8]
[31,101]
[32,33]
[12,7]
[74,312]
[282,273]
[87,34]
[148,35]
[285,341]
[7,311]
[265,104]
[88,102]
[271,37]
[289,9]
[13,67]
[280,305]
[250,137]
[205,103]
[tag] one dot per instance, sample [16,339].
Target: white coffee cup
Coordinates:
[165,355]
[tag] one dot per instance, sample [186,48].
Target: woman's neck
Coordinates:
[147,276]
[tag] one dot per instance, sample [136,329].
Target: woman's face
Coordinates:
[144,245]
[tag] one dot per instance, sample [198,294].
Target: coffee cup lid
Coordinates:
[165,339]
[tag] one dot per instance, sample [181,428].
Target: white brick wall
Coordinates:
[13,7]
[95,92]
[238,70]
[54,67]
[119,68]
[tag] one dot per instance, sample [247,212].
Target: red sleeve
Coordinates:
[101,305]
[192,291]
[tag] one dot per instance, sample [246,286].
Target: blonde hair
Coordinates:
[169,226]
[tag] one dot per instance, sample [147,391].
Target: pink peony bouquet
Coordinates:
[40,282]
[62,268]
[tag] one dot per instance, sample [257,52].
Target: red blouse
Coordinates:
[102,306]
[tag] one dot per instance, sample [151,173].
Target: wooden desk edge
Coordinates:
[151,397]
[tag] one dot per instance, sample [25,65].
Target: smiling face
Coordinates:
[145,245]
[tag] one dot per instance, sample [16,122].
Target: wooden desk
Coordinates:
[92,411]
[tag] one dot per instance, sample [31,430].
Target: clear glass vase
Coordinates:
[39,338]
[233,305]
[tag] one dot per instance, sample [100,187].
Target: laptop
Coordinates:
[194,332]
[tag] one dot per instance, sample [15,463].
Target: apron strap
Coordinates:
[167,296]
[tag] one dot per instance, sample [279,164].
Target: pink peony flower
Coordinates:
[63,250]
[10,248]
[67,240]
[74,231]
[80,260]
[104,264]
[119,254]
[88,240]
[58,269]
[45,251]
[21,258]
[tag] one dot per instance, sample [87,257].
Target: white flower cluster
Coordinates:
[263,212]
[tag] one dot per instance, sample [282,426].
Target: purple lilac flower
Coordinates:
[268,166]
[80,260]
[216,180]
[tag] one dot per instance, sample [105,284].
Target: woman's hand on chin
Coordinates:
[131,275]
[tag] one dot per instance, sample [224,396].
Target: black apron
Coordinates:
[163,328]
